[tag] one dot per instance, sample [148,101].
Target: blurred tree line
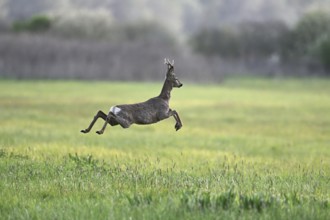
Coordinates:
[79,47]
[307,43]
[91,47]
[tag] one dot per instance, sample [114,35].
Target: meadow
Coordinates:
[248,149]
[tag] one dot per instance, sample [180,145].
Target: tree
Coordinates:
[310,39]
[309,30]
[262,39]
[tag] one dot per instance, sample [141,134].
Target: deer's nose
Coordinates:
[180,85]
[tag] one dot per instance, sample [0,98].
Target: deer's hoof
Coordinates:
[99,132]
[178,126]
[84,131]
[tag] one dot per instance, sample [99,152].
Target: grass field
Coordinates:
[248,149]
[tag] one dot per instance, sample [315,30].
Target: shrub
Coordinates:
[323,51]
[223,42]
[250,39]
[35,24]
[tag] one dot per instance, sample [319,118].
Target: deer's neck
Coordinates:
[166,90]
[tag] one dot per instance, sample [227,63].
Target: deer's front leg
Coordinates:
[178,124]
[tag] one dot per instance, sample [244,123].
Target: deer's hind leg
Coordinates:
[98,115]
[112,119]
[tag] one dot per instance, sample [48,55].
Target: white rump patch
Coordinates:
[115,110]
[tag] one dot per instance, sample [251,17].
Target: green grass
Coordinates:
[248,149]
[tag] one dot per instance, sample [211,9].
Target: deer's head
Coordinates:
[170,75]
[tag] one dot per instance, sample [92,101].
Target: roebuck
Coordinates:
[148,112]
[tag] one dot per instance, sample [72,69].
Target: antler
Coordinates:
[168,63]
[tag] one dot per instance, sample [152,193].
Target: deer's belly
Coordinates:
[146,119]
[151,118]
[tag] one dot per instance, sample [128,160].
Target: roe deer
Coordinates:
[148,112]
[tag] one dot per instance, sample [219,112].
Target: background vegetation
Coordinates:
[248,149]
[126,40]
